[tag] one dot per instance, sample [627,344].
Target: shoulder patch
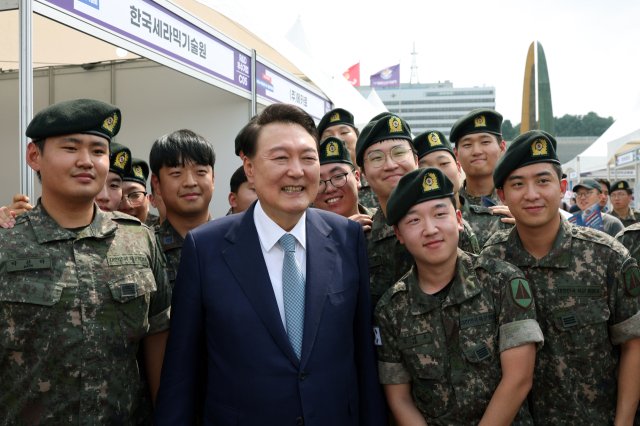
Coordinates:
[480,209]
[632,280]
[521,292]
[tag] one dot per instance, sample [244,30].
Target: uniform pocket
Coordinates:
[133,292]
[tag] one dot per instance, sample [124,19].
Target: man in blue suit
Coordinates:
[278,296]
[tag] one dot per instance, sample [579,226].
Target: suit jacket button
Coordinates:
[303,375]
[300,421]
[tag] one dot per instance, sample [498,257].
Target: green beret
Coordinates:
[119,159]
[139,172]
[386,127]
[76,116]
[534,146]
[480,120]
[588,184]
[418,186]
[333,118]
[334,150]
[239,138]
[621,185]
[431,140]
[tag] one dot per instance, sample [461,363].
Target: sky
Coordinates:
[592,47]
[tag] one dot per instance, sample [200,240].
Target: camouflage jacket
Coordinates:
[477,201]
[448,346]
[481,221]
[366,196]
[152,221]
[73,309]
[586,302]
[366,210]
[389,260]
[632,217]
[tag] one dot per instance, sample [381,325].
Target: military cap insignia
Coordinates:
[632,280]
[395,125]
[621,185]
[539,148]
[121,160]
[137,170]
[480,121]
[434,139]
[430,183]
[334,117]
[110,123]
[332,149]
[521,292]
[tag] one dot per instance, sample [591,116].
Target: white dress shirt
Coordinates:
[269,234]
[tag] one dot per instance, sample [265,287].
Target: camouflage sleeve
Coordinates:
[160,306]
[624,287]
[391,370]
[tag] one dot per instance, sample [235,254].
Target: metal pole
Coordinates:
[26,93]
[254,90]
[399,90]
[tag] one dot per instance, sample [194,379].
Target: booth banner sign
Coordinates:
[153,26]
[273,85]
[638,154]
[625,158]
[573,175]
[625,173]
[386,77]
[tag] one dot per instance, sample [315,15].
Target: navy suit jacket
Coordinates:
[223,299]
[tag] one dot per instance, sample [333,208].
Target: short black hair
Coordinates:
[276,113]
[180,148]
[605,182]
[237,178]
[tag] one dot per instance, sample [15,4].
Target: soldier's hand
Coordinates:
[504,210]
[7,220]
[20,204]
[363,220]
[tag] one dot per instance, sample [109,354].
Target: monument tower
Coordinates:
[544,118]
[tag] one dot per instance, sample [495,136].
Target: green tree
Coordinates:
[567,125]
[508,133]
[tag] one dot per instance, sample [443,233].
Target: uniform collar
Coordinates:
[169,237]
[558,257]
[379,229]
[46,229]
[465,286]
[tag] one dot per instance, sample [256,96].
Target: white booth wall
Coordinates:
[154,100]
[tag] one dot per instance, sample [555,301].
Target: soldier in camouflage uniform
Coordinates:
[81,288]
[455,322]
[434,150]
[339,123]
[620,198]
[586,288]
[388,259]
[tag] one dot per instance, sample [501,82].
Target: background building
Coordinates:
[433,106]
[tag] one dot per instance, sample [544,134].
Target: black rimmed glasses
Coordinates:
[337,181]
[135,198]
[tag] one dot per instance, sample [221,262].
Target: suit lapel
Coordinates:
[321,256]
[247,263]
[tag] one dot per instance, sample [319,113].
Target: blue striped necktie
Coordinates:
[293,289]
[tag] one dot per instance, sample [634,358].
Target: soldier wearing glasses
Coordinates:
[339,183]
[134,189]
[385,153]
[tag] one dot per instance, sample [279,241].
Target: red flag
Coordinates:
[353,75]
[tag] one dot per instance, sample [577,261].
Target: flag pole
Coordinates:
[399,89]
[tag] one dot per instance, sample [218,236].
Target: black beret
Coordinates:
[621,185]
[239,139]
[388,126]
[139,172]
[588,184]
[534,146]
[334,150]
[480,120]
[76,116]
[431,140]
[333,118]
[418,186]
[119,159]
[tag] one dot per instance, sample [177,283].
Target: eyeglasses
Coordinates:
[584,194]
[337,181]
[397,154]
[618,194]
[135,198]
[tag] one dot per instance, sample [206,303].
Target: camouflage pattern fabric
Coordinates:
[585,309]
[152,221]
[448,347]
[482,222]
[229,212]
[366,196]
[632,217]
[389,260]
[73,309]
[477,201]
[366,210]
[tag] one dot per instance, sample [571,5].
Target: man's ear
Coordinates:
[357,176]
[563,188]
[500,192]
[233,201]
[397,232]
[503,147]
[455,152]
[213,180]
[33,156]
[248,169]
[155,182]
[459,219]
